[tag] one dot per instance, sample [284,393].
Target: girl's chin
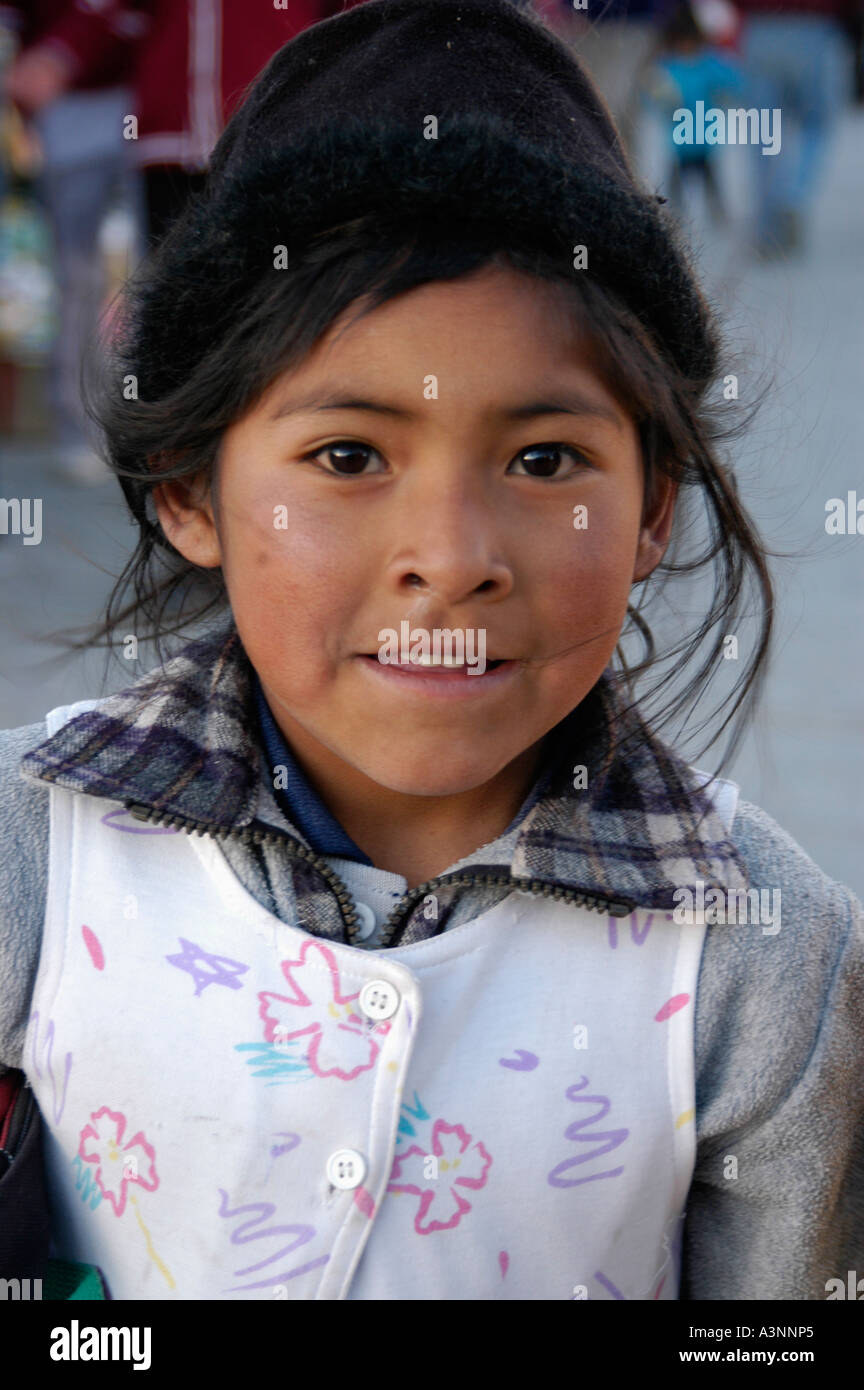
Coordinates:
[432,777]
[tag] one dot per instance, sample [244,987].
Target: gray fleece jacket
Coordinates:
[779,1020]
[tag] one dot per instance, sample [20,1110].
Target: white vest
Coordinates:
[235,1109]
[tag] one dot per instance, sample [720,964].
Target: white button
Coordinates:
[367,920]
[346,1168]
[378,999]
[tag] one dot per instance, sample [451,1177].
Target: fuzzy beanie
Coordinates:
[432,116]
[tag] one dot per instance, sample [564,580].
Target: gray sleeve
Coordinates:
[779,1087]
[24,828]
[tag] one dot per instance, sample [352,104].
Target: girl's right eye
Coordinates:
[348,457]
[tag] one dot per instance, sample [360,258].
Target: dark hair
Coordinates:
[362,262]
[682,26]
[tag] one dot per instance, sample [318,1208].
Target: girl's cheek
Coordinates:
[301,546]
[587,591]
[600,550]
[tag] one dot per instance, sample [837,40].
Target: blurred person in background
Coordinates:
[71,80]
[690,68]
[799,57]
[135,96]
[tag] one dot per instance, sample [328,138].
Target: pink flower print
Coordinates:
[118,1163]
[461,1164]
[341,1042]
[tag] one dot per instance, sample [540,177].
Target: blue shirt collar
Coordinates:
[297,801]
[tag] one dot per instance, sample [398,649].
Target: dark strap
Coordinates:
[24,1217]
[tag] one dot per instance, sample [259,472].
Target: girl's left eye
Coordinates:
[348,457]
[543,460]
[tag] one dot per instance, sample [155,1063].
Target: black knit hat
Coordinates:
[521,147]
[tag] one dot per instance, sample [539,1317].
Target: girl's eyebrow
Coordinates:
[569,402]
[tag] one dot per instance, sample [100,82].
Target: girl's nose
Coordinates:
[452,541]
[454,583]
[455,552]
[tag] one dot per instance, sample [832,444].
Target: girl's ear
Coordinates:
[656,527]
[186,516]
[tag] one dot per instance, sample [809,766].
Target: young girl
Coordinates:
[384,950]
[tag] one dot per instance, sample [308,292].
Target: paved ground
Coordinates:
[802,323]
[804,760]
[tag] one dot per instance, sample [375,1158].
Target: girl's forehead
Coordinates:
[492,319]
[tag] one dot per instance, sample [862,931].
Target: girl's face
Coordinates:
[425,465]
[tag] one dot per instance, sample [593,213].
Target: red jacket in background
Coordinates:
[189,61]
[196,62]
[99,42]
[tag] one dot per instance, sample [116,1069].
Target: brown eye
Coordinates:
[545,460]
[347,457]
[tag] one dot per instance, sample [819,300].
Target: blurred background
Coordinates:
[108,113]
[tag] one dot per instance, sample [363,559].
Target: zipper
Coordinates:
[258,835]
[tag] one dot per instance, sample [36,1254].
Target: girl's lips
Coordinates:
[456,681]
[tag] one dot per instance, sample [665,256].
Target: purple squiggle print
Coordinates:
[47,1049]
[265,1211]
[110,820]
[636,936]
[604,1141]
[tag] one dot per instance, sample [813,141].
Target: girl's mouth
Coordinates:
[442,677]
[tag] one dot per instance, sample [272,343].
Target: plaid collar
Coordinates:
[184,741]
